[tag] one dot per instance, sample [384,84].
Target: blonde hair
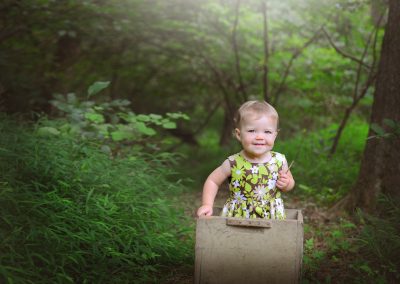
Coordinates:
[255,108]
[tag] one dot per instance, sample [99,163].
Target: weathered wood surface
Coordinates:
[233,250]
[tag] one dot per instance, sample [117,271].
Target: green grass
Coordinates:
[320,177]
[71,214]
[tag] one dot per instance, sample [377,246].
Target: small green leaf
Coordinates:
[119,103]
[309,244]
[377,129]
[128,117]
[71,98]
[169,125]
[106,149]
[142,128]
[143,117]
[46,131]
[96,88]
[390,123]
[94,117]
[120,135]
[155,116]
[177,115]
[337,234]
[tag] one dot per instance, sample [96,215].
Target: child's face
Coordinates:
[257,135]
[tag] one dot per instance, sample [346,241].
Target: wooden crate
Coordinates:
[235,250]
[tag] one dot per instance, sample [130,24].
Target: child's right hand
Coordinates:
[205,210]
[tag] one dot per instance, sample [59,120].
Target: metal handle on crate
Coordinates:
[248,223]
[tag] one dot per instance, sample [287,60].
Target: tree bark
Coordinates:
[227,127]
[380,166]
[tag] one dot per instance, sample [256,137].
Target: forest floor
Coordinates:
[328,261]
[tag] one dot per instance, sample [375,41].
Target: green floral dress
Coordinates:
[253,191]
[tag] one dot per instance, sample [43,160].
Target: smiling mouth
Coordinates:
[259,144]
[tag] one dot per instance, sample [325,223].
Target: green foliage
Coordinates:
[312,256]
[111,122]
[393,129]
[207,155]
[380,239]
[329,245]
[167,56]
[165,59]
[70,214]
[96,88]
[318,176]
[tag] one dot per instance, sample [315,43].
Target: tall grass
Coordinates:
[69,213]
[323,178]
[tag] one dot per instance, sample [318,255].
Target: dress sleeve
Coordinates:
[282,159]
[232,160]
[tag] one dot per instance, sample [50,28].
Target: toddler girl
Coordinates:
[256,173]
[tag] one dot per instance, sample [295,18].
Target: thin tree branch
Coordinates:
[236,51]
[221,79]
[360,65]
[357,97]
[348,112]
[374,56]
[208,118]
[341,52]
[198,129]
[8,33]
[296,54]
[266,52]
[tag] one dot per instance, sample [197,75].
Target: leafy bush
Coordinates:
[69,213]
[380,239]
[112,123]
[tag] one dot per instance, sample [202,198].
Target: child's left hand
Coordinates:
[283,181]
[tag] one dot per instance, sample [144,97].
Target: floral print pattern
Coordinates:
[253,191]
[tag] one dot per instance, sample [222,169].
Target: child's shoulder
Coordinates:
[278,156]
[234,157]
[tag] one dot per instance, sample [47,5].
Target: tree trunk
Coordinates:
[235,45]
[266,52]
[380,166]
[227,127]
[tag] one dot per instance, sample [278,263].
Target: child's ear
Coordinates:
[237,133]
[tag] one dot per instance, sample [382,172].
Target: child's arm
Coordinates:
[210,188]
[286,181]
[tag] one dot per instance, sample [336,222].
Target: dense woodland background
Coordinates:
[112,114]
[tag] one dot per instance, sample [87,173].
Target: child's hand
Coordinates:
[205,210]
[283,181]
